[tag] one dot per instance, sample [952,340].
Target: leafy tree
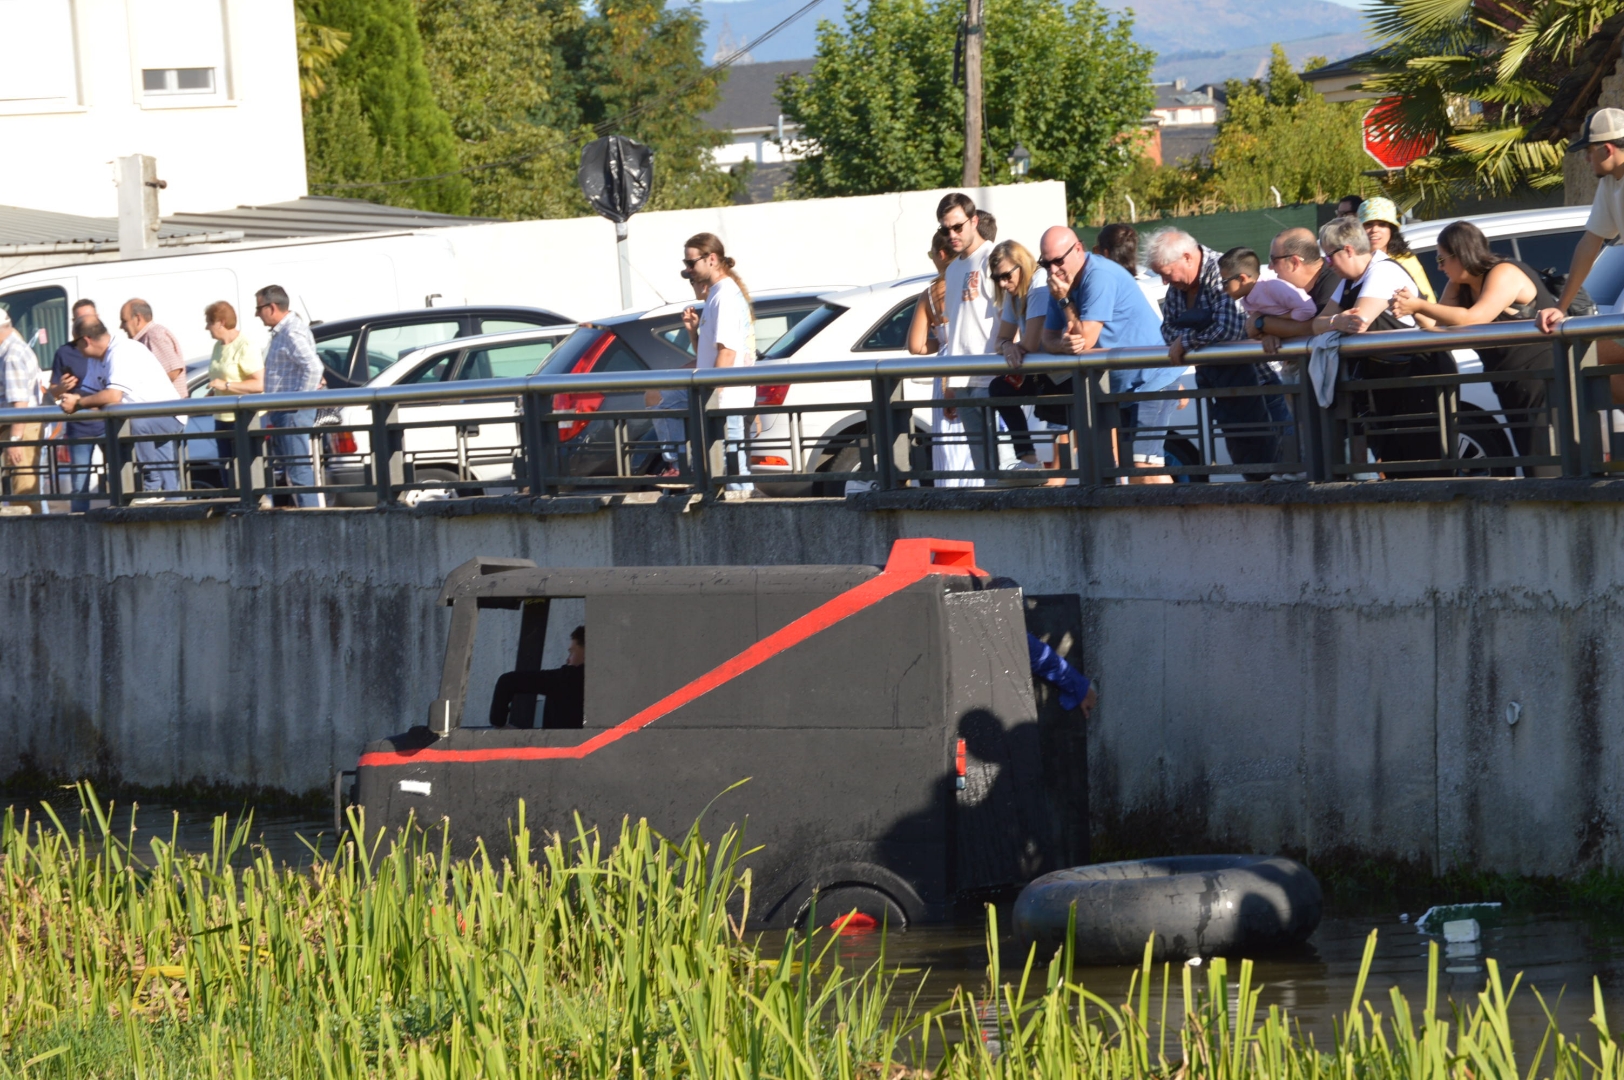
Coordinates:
[1280,132]
[494,66]
[637,68]
[881,110]
[382,77]
[1474,77]
[319,48]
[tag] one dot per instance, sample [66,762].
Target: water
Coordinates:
[1558,954]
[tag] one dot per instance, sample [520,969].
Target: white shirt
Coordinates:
[972,317]
[725,323]
[130,366]
[1037,306]
[1381,279]
[1607,209]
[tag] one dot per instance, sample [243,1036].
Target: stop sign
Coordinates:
[1383,141]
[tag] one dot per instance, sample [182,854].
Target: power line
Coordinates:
[601,128]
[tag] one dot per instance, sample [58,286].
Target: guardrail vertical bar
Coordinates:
[539,446]
[701,441]
[388,453]
[119,465]
[1569,419]
[249,458]
[888,448]
[1083,427]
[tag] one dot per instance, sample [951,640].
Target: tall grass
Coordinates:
[572,957]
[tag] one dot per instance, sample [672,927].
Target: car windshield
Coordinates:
[803,332]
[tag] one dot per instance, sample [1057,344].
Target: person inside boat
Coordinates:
[564,688]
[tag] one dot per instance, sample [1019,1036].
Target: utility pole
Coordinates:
[972,93]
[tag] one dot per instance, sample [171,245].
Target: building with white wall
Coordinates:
[208,87]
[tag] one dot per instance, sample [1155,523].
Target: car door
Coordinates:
[488,436]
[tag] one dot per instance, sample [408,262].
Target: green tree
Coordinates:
[1279,132]
[494,66]
[382,77]
[637,68]
[881,111]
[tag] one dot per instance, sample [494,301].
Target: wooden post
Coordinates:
[972,94]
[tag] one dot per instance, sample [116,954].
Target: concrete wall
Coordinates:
[1315,672]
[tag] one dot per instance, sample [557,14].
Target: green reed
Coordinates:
[573,957]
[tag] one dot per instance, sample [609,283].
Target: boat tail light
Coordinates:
[959,765]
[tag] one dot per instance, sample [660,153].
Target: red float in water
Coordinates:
[855,923]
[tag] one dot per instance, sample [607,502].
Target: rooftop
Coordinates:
[747,96]
[313,215]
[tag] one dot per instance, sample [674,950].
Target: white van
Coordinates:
[326,278]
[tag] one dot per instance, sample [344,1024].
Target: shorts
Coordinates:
[1153,421]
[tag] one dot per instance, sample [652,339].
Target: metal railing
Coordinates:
[865,422]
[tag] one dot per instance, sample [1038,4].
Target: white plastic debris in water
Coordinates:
[1435,918]
[1405,917]
[1194,961]
[1462,930]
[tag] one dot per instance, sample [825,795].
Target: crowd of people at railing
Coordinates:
[1356,276]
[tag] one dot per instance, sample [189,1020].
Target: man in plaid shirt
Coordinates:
[291,367]
[1197,312]
[21,369]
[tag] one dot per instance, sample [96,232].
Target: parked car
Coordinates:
[356,351]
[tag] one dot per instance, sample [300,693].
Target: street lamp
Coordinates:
[1020,160]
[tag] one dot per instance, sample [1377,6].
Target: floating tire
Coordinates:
[1194,905]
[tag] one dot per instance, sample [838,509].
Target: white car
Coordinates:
[475,441]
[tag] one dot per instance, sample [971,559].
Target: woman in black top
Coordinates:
[1483,288]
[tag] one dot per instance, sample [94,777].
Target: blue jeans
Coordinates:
[673,430]
[292,452]
[157,459]
[81,475]
[1244,421]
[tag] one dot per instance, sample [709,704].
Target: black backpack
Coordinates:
[1555,282]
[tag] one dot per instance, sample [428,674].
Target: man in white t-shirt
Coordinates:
[1602,141]
[972,315]
[128,373]
[724,333]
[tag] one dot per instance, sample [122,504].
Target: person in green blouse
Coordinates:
[235,368]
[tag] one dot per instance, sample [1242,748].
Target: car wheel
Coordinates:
[1478,435]
[849,459]
[431,493]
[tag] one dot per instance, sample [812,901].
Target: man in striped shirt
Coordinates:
[21,370]
[291,367]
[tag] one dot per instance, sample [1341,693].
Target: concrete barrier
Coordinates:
[1321,672]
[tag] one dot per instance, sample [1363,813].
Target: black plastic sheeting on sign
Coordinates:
[616,176]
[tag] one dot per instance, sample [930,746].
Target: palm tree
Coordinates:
[1469,77]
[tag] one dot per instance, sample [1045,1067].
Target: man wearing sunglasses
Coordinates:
[1096,304]
[972,318]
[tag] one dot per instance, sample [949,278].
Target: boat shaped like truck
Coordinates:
[885,721]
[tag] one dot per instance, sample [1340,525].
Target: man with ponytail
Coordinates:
[723,331]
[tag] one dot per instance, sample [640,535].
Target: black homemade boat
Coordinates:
[886,719]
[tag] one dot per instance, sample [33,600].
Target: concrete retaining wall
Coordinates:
[1322,672]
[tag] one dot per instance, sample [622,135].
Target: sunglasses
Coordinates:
[689,264]
[1006,275]
[1046,264]
[956,228]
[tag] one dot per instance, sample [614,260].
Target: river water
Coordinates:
[1558,954]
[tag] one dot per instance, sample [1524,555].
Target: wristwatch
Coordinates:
[1257,323]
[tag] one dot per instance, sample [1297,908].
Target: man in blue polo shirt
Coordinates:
[68,369]
[1094,304]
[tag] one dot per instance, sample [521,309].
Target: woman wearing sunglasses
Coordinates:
[1022,304]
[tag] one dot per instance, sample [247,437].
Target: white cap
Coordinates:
[1601,126]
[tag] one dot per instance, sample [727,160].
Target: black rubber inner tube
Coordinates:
[1194,905]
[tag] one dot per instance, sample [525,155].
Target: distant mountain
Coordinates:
[1202,40]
